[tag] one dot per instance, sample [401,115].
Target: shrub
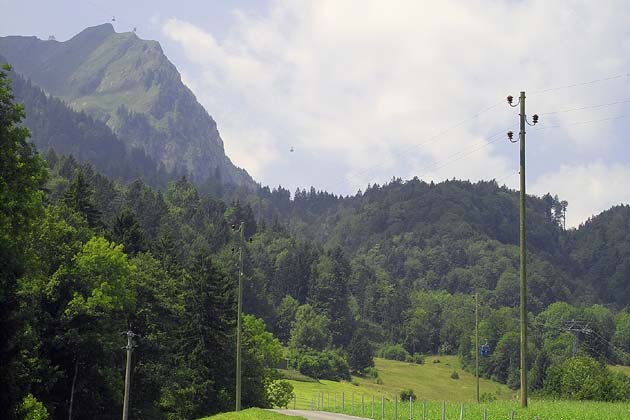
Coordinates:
[393,352]
[487,397]
[371,372]
[327,364]
[280,393]
[454,375]
[418,358]
[32,409]
[584,378]
[405,394]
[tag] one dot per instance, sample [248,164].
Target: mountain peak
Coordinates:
[102,29]
[129,84]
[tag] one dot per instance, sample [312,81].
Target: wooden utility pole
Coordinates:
[523,260]
[238,317]
[477,342]
[130,335]
[523,243]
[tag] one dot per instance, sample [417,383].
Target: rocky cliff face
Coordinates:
[129,84]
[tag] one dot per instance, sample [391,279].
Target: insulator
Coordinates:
[510,135]
[510,98]
[535,117]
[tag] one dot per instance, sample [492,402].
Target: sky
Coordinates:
[339,94]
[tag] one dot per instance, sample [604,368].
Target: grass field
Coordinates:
[252,414]
[430,381]
[498,410]
[620,368]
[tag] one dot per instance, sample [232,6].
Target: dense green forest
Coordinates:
[88,252]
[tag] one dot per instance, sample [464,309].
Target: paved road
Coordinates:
[317,415]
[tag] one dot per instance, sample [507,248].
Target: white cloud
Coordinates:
[369,84]
[589,188]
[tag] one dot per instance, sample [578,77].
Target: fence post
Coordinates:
[443,410]
[485,414]
[352,412]
[335,403]
[424,410]
[513,413]
[410,408]
[343,403]
[396,407]
[362,406]
[461,413]
[312,402]
[382,407]
[372,406]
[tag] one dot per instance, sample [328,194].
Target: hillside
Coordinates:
[58,130]
[129,84]
[430,381]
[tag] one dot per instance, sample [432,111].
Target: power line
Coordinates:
[431,139]
[579,84]
[618,117]
[587,107]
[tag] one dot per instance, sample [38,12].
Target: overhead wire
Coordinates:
[536,92]
[625,101]
[580,84]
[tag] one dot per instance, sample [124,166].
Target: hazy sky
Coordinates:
[367,90]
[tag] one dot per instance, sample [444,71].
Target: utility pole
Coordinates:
[129,347]
[477,342]
[238,316]
[523,241]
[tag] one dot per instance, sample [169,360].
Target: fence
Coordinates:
[391,408]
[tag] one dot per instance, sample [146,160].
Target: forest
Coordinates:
[88,251]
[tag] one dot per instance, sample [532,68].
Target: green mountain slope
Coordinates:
[53,126]
[129,84]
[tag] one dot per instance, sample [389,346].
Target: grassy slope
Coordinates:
[620,368]
[252,414]
[431,381]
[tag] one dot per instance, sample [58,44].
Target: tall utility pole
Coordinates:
[129,347]
[238,316]
[523,243]
[477,342]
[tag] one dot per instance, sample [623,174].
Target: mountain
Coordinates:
[54,126]
[130,85]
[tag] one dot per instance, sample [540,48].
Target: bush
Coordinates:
[393,352]
[487,397]
[32,409]
[371,372]
[418,358]
[327,364]
[454,375]
[280,393]
[584,378]
[405,394]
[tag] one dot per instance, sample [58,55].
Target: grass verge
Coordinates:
[252,414]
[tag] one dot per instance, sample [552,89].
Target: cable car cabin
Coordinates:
[484,350]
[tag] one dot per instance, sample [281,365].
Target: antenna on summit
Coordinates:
[113,18]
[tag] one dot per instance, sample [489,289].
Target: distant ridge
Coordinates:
[129,84]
